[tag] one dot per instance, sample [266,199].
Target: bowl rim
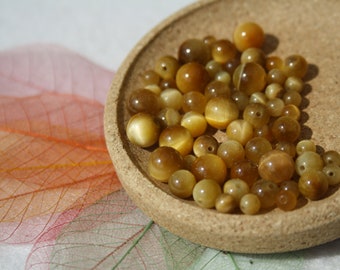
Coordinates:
[163,207]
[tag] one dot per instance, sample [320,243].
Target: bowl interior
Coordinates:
[306,28]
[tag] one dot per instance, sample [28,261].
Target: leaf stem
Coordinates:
[233,260]
[134,243]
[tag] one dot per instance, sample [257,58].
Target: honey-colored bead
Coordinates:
[177,137]
[237,188]
[265,132]
[205,144]
[307,161]
[231,151]
[292,97]
[286,129]
[142,130]
[181,183]
[213,67]
[333,174]
[295,65]
[154,88]
[167,83]
[286,200]
[223,76]
[225,203]
[313,184]
[220,111]
[255,55]
[171,98]
[276,166]
[143,100]
[331,157]
[194,122]
[250,204]
[258,97]
[241,99]
[273,90]
[163,162]
[169,117]
[256,114]
[166,67]
[150,77]
[194,50]
[291,186]
[294,83]
[287,147]
[194,101]
[256,147]
[245,170]
[217,88]
[240,130]
[223,50]
[276,76]
[250,78]
[231,65]
[209,166]
[266,191]
[273,62]
[248,35]
[291,111]
[188,161]
[192,77]
[305,145]
[206,192]
[275,107]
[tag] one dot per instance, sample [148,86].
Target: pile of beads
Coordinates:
[222,123]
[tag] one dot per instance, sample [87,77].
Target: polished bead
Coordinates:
[276,166]
[291,186]
[305,145]
[333,174]
[240,130]
[213,67]
[241,99]
[295,65]
[256,114]
[150,77]
[194,101]
[292,97]
[194,122]
[287,147]
[331,157]
[225,203]
[163,162]
[313,184]
[256,147]
[286,129]
[143,100]
[255,55]
[166,67]
[181,183]
[223,50]
[245,170]
[258,97]
[273,90]
[248,35]
[194,50]
[273,62]
[294,83]
[171,98]
[275,107]
[266,191]
[206,192]
[169,117]
[286,200]
[250,204]
[291,111]
[217,88]
[308,160]
[209,166]
[231,151]
[205,144]
[237,188]
[265,132]
[223,76]
[276,76]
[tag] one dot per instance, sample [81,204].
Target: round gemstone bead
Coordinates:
[181,183]
[205,144]
[250,204]
[194,50]
[225,203]
[248,35]
[206,192]
[266,191]
[313,184]
[236,187]
[308,160]
[286,129]
[231,151]
[177,137]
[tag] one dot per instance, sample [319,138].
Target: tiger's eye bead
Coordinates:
[273,62]
[194,50]
[250,204]
[255,55]
[166,67]
[250,78]
[209,166]
[256,114]
[294,84]
[205,144]
[287,147]
[291,111]
[331,157]
[276,75]
[154,88]
[163,162]
[142,130]
[276,166]
[265,132]
[333,174]
[177,137]
[217,88]
[248,35]
[171,98]
[286,129]
[241,99]
[275,107]
[230,151]
[169,117]
[237,188]
[313,184]
[188,161]
[291,186]
[231,65]
[273,90]
[181,183]
[192,76]
[143,100]
[194,101]
[220,111]
[307,161]
[256,147]
[240,130]
[305,145]
[208,40]
[223,76]
[286,200]
[167,83]
[223,50]
[213,67]
[295,65]
[245,170]
[206,192]
[225,203]
[150,77]
[258,97]
[266,191]
[292,97]
[194,122]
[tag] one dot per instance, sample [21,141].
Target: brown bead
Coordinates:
[166,67]
[313,184]
[276,166]
[286,200]
[194,50]
[245,170]
[143,100]
[266,191]
[223,51]
[248,35]
[286,129]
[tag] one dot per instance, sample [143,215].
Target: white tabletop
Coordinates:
[103,31]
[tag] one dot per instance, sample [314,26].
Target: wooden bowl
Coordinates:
[309,28]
